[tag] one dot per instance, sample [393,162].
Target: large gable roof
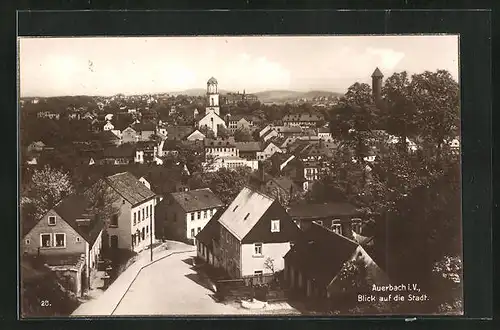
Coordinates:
[245,211]
[321,253]
[323,210]
[199,199]
[129,187]
[248,146]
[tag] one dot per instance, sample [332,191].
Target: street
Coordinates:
[170,287]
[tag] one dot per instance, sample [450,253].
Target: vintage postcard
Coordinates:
[249,175]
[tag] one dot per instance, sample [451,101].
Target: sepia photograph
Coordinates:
[239,176]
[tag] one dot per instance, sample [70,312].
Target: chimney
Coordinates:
[377,77]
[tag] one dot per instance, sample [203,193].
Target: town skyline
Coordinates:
[51,67]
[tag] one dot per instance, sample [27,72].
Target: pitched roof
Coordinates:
[302,117]
[285,183]
[323,130]
[246,117]
[212,80]
[129,187]
[323,210]
[199,199]
[145,126]
[212,143]
[107,136]
[321,253]
[248,146]
[377,73]
[75,207]
[245,211]
[124,150]
[179,132]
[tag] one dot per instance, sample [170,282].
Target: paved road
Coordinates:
[170,287]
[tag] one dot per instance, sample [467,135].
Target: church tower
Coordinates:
[213,96]
[377,77]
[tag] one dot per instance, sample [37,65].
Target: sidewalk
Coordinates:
[105,304]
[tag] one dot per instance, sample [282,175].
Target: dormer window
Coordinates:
[246,216]
[52,220]
[275,226]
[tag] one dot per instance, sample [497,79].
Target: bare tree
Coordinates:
[103,200]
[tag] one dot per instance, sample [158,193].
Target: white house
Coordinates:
[255,232]
[108,127]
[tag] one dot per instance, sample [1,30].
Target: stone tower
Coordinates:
[213,96]
[377,77]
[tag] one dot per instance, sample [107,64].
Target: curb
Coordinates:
[140,269]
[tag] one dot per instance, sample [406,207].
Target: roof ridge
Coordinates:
[337,234]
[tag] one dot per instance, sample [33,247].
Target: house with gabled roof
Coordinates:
[66,234]
[182,215]
[132,226]
[255,234]
[313,264]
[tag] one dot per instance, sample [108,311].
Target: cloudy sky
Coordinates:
[107,66]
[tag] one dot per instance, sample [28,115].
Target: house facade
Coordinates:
[304,120]
[267,151]
[129,135]
[182,215]
[341,217]
[66,232]
[255,234]
[132,227]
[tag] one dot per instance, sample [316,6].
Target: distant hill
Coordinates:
[290,96]
[267,96]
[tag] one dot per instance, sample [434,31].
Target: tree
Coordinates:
[47,187]
[242,135]
[103,200]
[209,134]
[436,95]
[401,116]
[222,132]
[225,183]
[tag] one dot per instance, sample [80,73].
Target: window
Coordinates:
[204,214]
[235,208]
[198,215]
[143,233]
[147,229]
[78,239]
[275,226]
[198,230]
[114,220]
[60,240]
[52,221]
[212,213]
[192,233]
[135,218]
[356,225]
[175,217]
[143,214]
[257,249]
[150,210]
[27,241]
[246,216]
[336,227]
[192,216]
[319,222]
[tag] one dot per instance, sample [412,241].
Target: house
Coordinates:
[207,238]
[108,138]
[118,155]
[241,122]
[312,265]
[269,135]
[108,126]
[145,130]
[182,215]
[145,152]
[248,150]
[212,121]
[132,227]
[196,135]
[342,217]
[255,235]
[325,134]
[304,120]
[108,117]
[280,188]
[279,161]
[267,151]
[66,232]
[48,114]
[218,148]
[129,135]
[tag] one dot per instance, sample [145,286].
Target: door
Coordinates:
[114,242]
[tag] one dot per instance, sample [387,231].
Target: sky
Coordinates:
[142,65]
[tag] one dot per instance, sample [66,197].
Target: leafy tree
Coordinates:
[47,187]
[209,134]
[436,95]
[242,135]
[401,115]
[103,200]
[222,132]
[225,183]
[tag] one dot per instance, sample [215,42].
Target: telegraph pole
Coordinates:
[151,233]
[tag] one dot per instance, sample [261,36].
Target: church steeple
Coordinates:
[377,77]
[213,96]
